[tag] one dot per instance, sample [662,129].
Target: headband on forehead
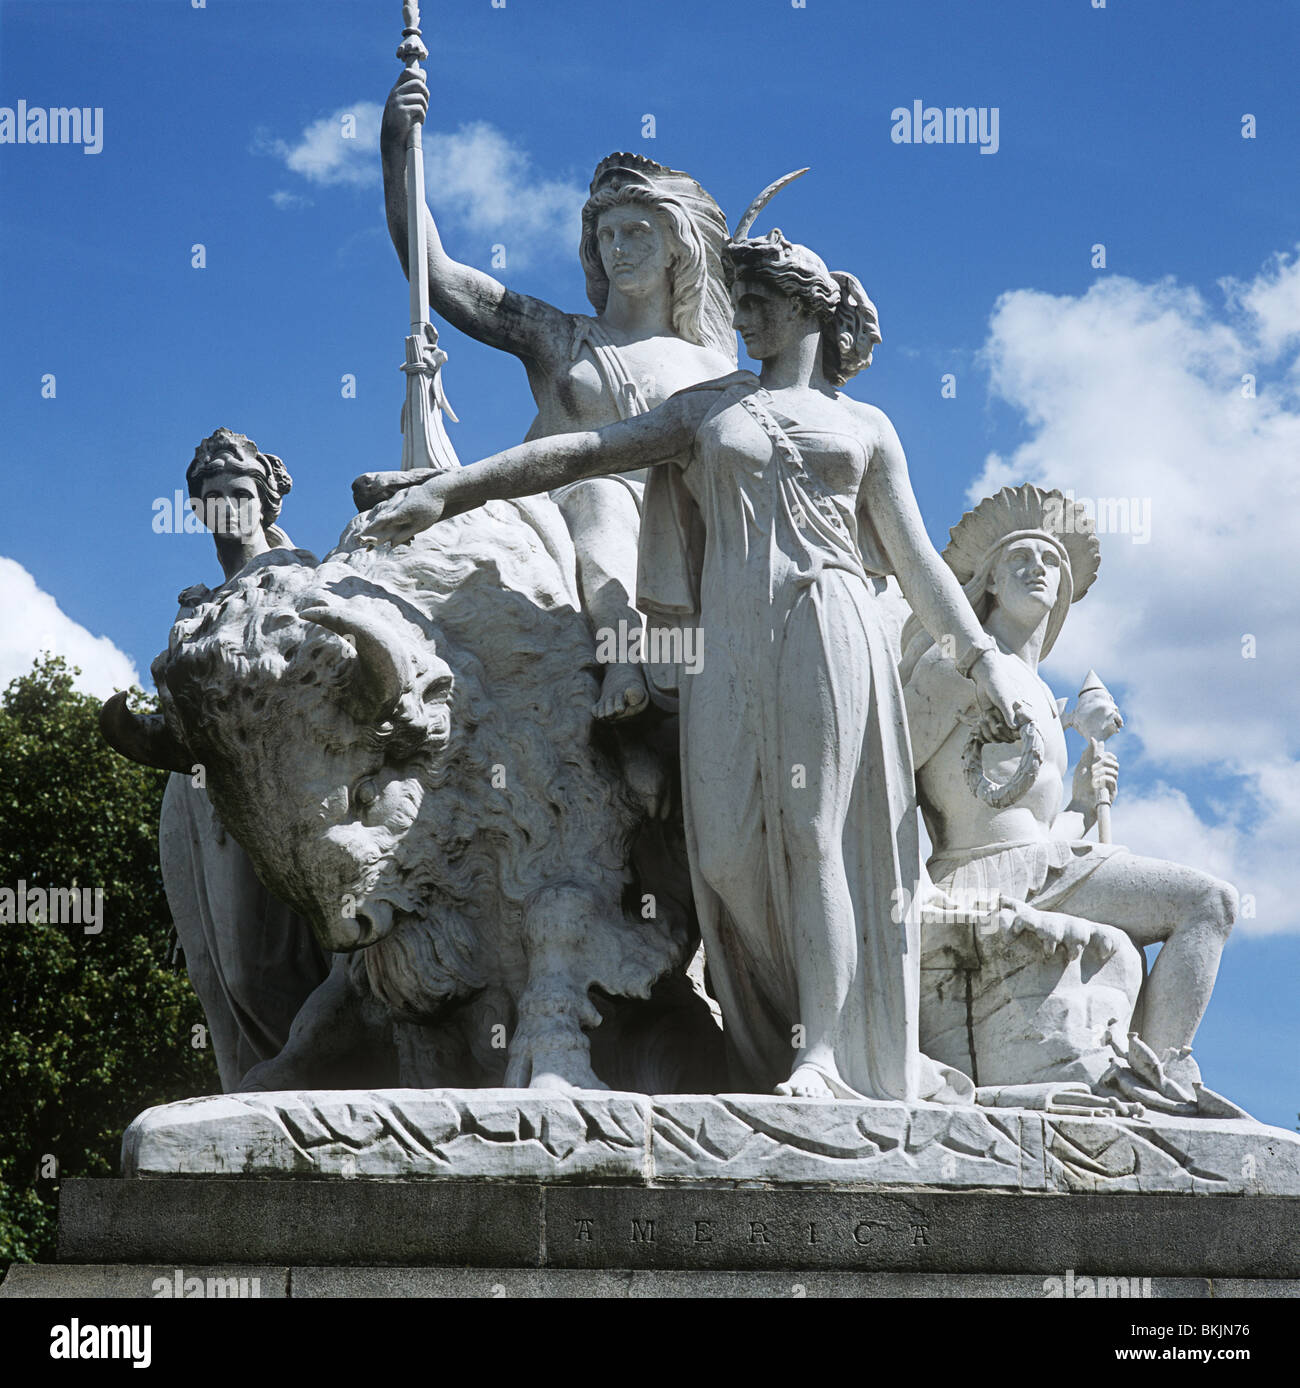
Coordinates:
[1018,512]
[251,461]
[621,169]
[1008,540]
[775,251]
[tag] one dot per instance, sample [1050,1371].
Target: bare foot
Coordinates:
[622,693]
[807,1082]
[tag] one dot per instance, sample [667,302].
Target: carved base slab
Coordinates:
[143,1281]
[194,1226]
[530,1135]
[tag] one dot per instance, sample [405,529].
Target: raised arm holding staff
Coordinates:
[650,249]
[425,444]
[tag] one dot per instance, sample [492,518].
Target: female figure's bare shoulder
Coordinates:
[871,423]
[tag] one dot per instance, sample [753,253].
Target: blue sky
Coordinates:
[1120,126]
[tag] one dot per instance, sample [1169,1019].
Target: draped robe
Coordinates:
[794,746]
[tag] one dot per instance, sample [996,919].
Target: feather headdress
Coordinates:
[1027,509]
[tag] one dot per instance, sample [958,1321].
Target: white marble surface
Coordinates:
[524,1134]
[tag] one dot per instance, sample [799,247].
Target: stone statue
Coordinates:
[252,960]
[402,740]
[650,250]
[784,505]
[425,752]
[539,728]
[995,820]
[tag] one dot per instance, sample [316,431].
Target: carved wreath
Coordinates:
[999,796]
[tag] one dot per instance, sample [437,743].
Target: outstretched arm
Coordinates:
[467,298]
[929,585]
[541,465]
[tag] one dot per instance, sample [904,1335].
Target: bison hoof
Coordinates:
[264,1078]
[562,1068]
[583,1077]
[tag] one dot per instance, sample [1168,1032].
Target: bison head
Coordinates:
[316,711]
[401,740]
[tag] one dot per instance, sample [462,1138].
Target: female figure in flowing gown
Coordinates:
[776,507]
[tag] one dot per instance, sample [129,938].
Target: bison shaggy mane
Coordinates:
[518,798]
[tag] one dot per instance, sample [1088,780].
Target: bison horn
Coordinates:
[143,737]
[383,672]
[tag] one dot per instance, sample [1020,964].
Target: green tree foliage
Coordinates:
[93,1027]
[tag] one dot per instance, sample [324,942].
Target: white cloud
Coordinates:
[486,185]
[341,148]
[34,623]
[1251,846]
[289,202]
[1136,391]
[1273,300]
